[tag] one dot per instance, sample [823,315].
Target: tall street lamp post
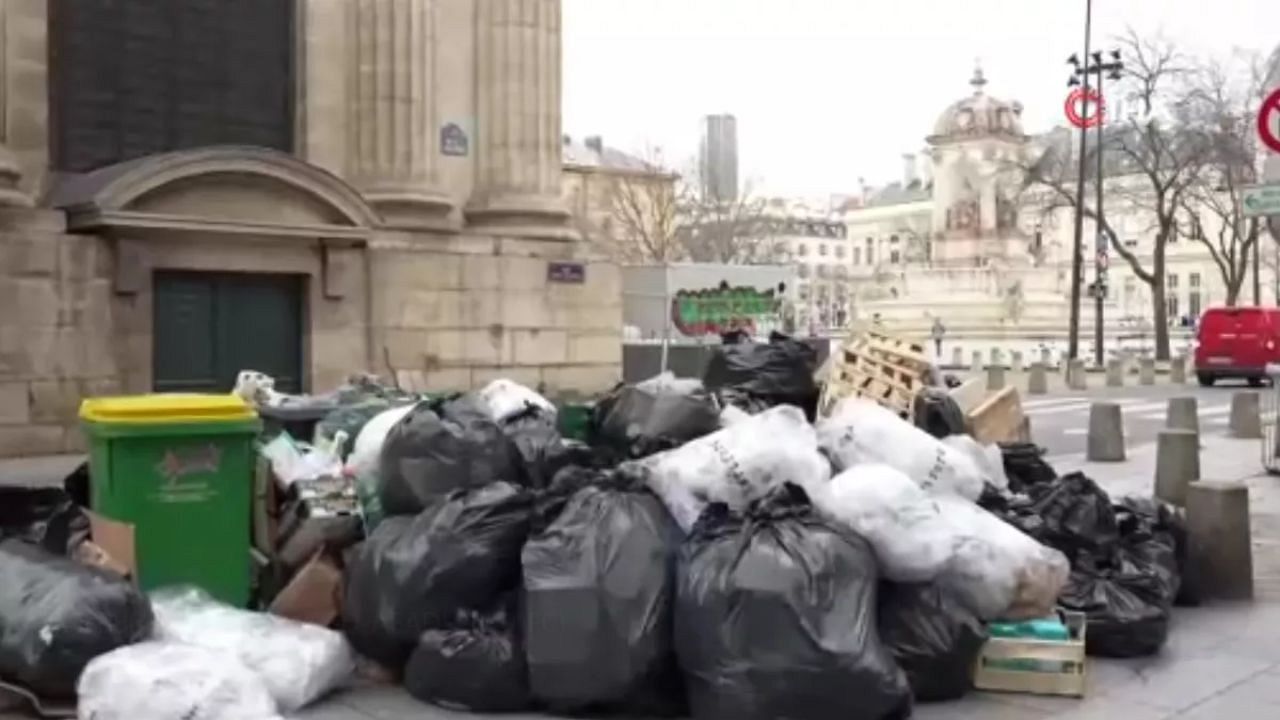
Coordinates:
[1081,72]
[1077,248]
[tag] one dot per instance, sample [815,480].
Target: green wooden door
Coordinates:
[210,326]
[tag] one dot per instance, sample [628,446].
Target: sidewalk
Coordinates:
[1221,661]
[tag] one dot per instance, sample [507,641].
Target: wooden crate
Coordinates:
[1038,667]
[999,418]
[878,367]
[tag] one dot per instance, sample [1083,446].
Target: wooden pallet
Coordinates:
[878,367]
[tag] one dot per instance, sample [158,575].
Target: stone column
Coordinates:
[392,134]
[13,75]
[518,143]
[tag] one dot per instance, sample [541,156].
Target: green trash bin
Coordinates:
[179,469]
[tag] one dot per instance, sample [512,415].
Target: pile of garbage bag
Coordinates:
[1125,557]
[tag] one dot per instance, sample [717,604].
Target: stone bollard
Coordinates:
[1246,417]
[1106,433]
[1177,465]
[995,377]
[975,365]
[1178,370]
[1015,361]
[957,357]
[1147,371]
[1077,378]
[1219,540]
[997,357]
[1046,356]
[1115,373]
[1038,380]
[1183,413]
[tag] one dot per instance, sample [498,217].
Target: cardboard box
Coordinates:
[314,595]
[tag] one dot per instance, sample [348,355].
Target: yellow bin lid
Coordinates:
[165,408]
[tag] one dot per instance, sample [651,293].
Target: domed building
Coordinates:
[949,241]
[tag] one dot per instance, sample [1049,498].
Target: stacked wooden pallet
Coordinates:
[878,367]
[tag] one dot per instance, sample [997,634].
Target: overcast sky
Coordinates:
[828,91]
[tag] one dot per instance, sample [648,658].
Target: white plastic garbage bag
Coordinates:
[996,569]
[736,465]
[988,458]
[172,681]
[298,662]
[912,540]
[860,431]
[666,383]
[732,415]
[366,454]
[505,399]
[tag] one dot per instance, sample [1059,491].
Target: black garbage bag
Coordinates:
[599,591]
[57,614]
[934,638]
[1077,516]
[776,618]
[542,448]
[779,371]
[937,413]
[744,401]
[475,663]
[44,516]
[1135,515]
[1128,598]
[636,421]
[441,446]
[352,418]
[415,573]
[1025,467]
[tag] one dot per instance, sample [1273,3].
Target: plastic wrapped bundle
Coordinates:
[934,638]
[776,618]
[737,465]
[599,590]
[172,681]
[298,662]
[860,431]
[57,614]
[476,663]
[440,447]
[912,540]
[416,573]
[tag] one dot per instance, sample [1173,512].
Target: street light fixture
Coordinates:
[1081,75]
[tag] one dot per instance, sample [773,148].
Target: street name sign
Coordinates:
[1260,200]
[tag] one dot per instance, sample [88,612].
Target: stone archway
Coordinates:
[163,192]
[229,218]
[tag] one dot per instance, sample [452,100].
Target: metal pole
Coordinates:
[1099,265]
[666,314]
[1257,263]
[1077,254]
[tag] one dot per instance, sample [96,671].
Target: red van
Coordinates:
[1237,342]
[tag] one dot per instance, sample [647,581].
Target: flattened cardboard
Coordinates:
[117,540]
[314,595]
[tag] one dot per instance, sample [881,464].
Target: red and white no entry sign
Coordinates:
[1269,121]
[1084,108]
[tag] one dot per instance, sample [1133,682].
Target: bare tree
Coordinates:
[737,230]
[644,210]
[1153,157]
[1221,102]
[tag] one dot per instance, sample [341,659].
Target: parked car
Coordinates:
[1237,342]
